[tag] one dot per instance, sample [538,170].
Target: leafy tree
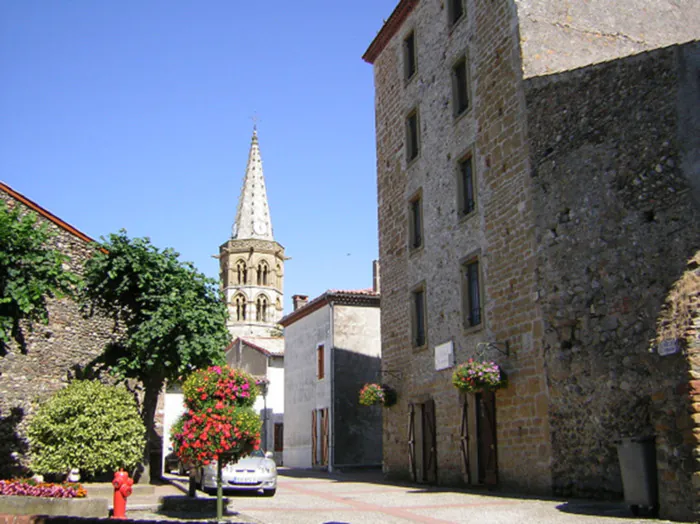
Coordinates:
[171,319]
[87,425]
[30,272]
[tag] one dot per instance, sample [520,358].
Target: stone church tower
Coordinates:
[251,261]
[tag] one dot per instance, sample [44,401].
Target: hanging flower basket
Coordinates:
[473,376]
[372,394]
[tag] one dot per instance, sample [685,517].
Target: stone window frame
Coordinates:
[413,141]
[458,91]
[473,260]
[456,12]
[409,51]
[240,304]
[262,305]
[241,272]
[419,337]
[416,236]
[262,272]
[465,209]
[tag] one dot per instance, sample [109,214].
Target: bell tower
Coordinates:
[251,261]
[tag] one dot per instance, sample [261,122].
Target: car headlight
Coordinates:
[264,469]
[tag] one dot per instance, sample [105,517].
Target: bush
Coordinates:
[87,425]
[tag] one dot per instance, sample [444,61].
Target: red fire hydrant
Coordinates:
[122,488]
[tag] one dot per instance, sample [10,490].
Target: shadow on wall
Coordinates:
[11,445]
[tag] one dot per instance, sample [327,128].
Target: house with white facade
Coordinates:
[332,348]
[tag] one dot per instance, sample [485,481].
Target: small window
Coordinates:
[415,226]
[409,56]
[418,317]
[261,309]
[465,186]
[455,11]
[320,361]
[460,87]
[412,136]
[471,293]
[262,271]
[279,437]
[242,272]
[240,304]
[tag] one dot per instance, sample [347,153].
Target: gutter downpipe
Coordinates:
[331,410]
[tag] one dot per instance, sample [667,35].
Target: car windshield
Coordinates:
[257,454]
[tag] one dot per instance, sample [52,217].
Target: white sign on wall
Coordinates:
[444,356]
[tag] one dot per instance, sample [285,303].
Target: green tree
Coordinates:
[86,425]
[30,272]
[170,318]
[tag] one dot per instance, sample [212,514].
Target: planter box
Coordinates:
[23,505]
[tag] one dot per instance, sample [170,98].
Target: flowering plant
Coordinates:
[473,376]
[29,487]
[226,432]
[206,387]
[372,394]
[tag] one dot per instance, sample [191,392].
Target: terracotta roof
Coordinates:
[359,297]
[44,212]
[389,29]
[264,351]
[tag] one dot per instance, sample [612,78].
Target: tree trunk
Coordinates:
[150,404]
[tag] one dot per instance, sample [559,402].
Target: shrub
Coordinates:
[87,425]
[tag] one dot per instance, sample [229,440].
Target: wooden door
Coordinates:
[464,440]
[412,441]
[324,436]
[486,437]
[429,469]
[314,438]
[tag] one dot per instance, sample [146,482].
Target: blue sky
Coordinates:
[137,115]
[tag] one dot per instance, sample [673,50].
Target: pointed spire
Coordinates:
[253,214]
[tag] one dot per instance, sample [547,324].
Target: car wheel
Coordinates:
[269,492]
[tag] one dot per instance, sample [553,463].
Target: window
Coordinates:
[261,309]
[465,186]
[320,364]
[279,437]
[455,11]
[471,293]
[460,87]
[418,316]
[242,272]
[409,56]
[240,304]
[415,226]
[262,271]
[412,136]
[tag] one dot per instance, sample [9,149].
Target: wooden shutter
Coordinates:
[412,441]
[464,440]
[324,436]
[429,442]
[314,439]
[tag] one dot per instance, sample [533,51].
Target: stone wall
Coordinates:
[55,353]
[616,226]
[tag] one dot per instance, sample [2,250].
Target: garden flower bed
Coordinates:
[27,497]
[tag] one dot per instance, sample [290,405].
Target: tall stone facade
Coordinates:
[55,353]
[562,207]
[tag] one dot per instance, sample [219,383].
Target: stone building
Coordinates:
[54,353]
[538,174]
[332,348]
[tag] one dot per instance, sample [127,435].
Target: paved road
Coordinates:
[306,498]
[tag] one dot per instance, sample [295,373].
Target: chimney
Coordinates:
[375,276]
[299,301]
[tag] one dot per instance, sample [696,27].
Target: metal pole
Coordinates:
[265,419]
[219,492]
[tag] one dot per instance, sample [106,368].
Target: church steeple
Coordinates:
[253,214]
[251,261]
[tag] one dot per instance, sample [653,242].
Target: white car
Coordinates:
[256,472]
